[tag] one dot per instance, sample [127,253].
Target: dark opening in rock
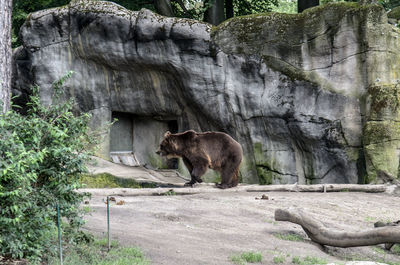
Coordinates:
[134,140]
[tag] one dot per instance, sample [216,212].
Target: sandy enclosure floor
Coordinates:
[210,228]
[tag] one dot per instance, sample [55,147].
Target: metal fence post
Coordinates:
[108,223]
[59,234]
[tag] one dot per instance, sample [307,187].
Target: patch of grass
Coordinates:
[296,260]
[171,192]
[86,209]
[289,237]
[247,257]
[369,219]
[95,253]
[309,261]
[272,222]
[105,180]
[279,259]
[378,250]
[396,249]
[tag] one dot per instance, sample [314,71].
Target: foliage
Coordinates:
[249,257]
[42,156]
[286,6]
[94,252]
[247,7]
[22,8]
[389,4]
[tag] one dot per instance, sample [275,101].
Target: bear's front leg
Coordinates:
[190,183]
[196,174]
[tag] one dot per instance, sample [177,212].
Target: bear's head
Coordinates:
[168,146]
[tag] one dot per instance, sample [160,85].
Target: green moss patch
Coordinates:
[381,142]
[394,13]
[377,132]
[384,99]
[105,180]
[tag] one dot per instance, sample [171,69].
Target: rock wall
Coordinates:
[312,97]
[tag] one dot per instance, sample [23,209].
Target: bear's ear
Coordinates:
[168,133]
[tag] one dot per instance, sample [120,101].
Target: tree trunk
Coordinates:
[304,4]
[5,54]
[163,7]
[229,8]
[215,14]
[325,236]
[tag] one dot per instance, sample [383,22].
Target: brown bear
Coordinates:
[200,151]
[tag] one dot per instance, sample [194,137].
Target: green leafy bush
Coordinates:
[42,156]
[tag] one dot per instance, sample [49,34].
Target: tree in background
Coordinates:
[5,54]
[304,4]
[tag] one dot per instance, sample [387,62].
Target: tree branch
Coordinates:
[323,235]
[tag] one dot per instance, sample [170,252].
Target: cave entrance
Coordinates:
[135,139]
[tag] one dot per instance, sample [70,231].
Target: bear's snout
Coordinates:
[160,152]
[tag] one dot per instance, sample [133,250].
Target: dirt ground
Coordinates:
[211,228]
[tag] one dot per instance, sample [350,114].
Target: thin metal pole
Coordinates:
[108,223]
[59,234]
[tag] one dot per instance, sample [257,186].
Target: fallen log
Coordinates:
[326,236]
[379,188]
[180,189]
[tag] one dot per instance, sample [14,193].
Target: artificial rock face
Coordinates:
[311,97]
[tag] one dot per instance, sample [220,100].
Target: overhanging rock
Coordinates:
[292,89]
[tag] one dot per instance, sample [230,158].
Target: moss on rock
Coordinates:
[394,13]
[267,176]
[106,180]
[381,144]
[385,100]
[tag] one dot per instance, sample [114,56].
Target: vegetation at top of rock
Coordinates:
[42,157]
[194,9]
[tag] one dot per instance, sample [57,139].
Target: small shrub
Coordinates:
[42,156]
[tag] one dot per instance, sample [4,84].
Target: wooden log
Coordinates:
[323,235]
[325,188]
[180,189]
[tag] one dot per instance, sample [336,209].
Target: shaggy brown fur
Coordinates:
[200,151]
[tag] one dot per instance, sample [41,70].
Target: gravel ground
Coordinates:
[211,228]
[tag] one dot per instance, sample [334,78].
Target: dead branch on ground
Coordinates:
[326,236]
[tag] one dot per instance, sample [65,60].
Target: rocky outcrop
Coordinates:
[311,97]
